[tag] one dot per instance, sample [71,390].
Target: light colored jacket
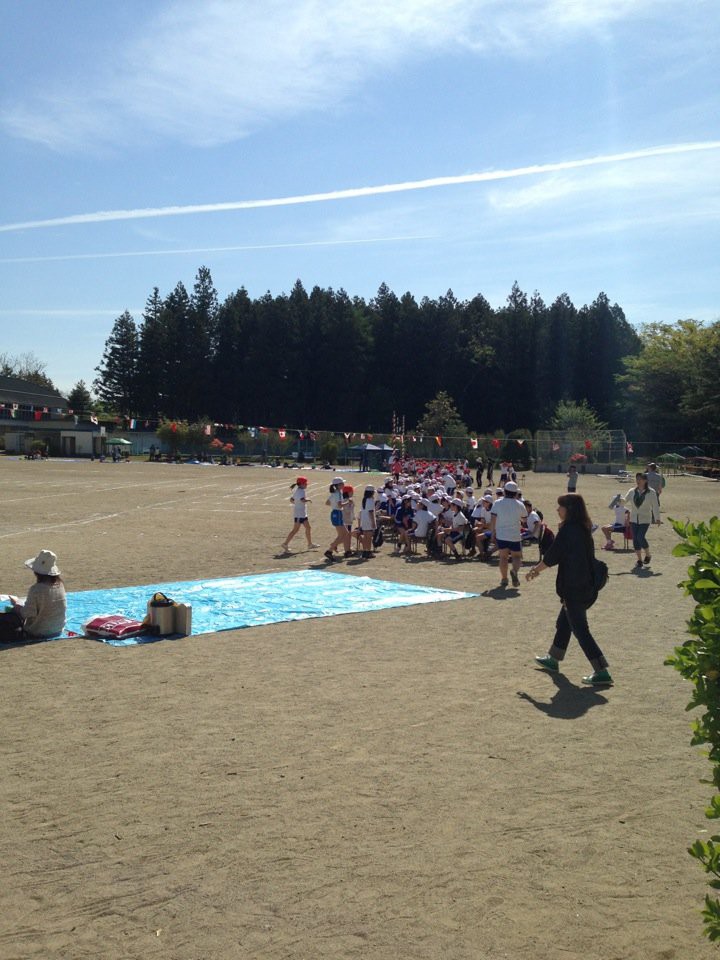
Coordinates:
[649,509]
[44,610]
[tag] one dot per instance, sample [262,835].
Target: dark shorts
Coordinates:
[456,535]
[300,519]
[514,546]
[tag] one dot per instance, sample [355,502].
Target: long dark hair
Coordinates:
[576,510]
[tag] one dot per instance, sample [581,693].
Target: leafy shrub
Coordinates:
[698,660]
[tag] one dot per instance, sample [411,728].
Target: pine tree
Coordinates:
[116,383]
[79,400]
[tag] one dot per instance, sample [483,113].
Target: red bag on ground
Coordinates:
[113,626]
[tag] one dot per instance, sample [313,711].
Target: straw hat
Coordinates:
[44,563]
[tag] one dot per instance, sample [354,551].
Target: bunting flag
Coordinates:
[147,424]
[253,432]
[414,439]
[282,434]
[555,447]
[207,430]
[173,426]
[629,447]
[264,430]
[588,444]
[369,436]
[520,442]
[312,435]
[473,443]
[76,418]
[38,414]
[496,443]
[362,436]
[438,441]
[94,419]
[133,423]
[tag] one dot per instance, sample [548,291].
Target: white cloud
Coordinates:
[213,71]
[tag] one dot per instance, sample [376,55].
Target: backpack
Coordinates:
[378,537]
[546,541]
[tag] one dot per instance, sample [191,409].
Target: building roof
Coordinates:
[15,390]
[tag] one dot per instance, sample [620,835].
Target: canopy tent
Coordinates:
[118,442]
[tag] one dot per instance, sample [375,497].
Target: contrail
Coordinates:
[196,250]
[107,216]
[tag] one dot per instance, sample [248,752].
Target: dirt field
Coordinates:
[397,785]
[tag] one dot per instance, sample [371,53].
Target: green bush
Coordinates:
[698,660]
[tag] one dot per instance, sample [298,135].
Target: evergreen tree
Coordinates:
[152,358]
[116,383]
[79,400]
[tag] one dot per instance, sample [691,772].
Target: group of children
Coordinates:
[429,511]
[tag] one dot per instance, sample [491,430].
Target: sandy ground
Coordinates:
[399,784]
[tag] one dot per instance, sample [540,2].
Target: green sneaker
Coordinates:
[600,676]
[548,663]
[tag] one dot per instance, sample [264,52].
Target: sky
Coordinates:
[571,146]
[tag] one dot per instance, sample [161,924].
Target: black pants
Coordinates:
[572,619]
[11,627]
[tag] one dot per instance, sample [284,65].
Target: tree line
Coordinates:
[326,360]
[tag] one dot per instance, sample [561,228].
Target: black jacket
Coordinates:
[572,551]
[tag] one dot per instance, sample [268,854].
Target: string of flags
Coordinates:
[283,433]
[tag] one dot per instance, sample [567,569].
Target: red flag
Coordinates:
[38,414]
[588,444]
[264,430]
[173,426]
[496,443]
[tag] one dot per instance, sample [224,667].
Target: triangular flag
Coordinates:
[588,444]
[496,443]
[520,442]
[473,443]
[282,434]
[438,441]
[556,447]
[629,447]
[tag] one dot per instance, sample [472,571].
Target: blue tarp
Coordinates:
[252,601]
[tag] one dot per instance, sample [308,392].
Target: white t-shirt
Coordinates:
[422,519]
[299,505]
[533,521]
[367,516]
[509,513]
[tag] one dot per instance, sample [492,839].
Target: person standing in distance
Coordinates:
[644,509]
[507,515]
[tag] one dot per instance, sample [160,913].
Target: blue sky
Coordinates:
[569,145]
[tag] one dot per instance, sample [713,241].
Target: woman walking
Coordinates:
[644,509]
[573,552]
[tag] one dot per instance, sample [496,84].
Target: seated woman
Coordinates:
[43,614]
[620,524]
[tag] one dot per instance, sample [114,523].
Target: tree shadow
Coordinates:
[568,702]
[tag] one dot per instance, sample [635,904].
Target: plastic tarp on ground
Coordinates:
[252,601]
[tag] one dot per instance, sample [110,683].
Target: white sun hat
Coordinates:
[44,563]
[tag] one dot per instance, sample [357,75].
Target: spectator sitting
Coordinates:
[620,523]
[43,614]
